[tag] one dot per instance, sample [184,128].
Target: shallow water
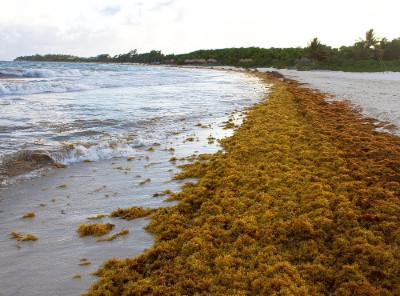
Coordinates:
[46,266]
[69,112]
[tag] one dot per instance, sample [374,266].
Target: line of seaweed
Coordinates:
[304,200]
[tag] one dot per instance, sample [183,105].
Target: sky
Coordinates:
[92,27]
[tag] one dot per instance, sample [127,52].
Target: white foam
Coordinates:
[27,87]
[153,104]
[101,151]
[28,176]
[4,90]
[40,73]
[37,81]
[47,73]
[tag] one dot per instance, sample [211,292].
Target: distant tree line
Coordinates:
[50,58]
[154,56]
[368,53]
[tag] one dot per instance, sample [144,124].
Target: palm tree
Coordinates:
[316,50]
[370,39]
[372,46]
[366,49]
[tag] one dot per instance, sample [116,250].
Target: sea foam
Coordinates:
[100,151]
[74,112]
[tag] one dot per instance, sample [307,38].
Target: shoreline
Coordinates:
[304,201]
[27,162]
[192,171]
[376,95]
[64,198]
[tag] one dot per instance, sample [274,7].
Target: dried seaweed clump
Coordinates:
[29,237]
[123,231]
[304,201]
[132,213]
[29,215]
[95,229]
[21,238]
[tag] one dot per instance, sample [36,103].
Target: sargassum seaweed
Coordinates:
[303,201]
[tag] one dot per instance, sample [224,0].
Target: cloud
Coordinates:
[131,21]
[21,40]
[110,10]
[162,4]
[179,16]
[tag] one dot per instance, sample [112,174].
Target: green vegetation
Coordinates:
[366,54]
[303,201]
[369,65]
[51,58]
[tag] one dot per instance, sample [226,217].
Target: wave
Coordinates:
[28,87]
[74,153]
[19,82]
[47,73]
[27,164]
[26,81]
[23,164]
[4,90]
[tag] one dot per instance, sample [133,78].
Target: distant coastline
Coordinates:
[370,54]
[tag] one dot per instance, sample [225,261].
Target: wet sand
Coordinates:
[64,198]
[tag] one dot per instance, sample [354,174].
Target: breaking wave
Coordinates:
[27,164]
[94,112]
[100,151]
[46,73]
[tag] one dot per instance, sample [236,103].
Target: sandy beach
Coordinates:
[127,137]
[376,95]
[60,202]
[62,199]
[171,147]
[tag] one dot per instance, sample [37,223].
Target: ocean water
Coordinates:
[75,112]
[100,121]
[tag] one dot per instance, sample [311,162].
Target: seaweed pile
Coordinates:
[304,200]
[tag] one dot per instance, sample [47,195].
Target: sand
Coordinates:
[64,198]
[377,95]
[47,265]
